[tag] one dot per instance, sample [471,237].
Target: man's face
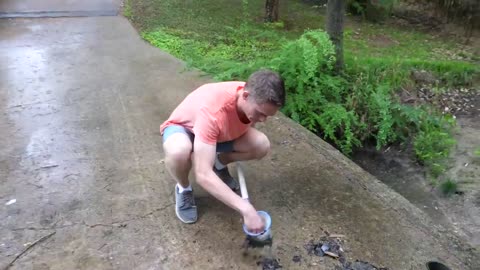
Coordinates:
[256,112]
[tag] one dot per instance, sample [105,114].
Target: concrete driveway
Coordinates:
[81,101]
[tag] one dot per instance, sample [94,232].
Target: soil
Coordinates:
[270,264]
[361,265]
[297,258]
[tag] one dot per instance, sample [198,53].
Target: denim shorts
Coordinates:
[222,147]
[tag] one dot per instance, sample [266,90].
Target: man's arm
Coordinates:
[203,159]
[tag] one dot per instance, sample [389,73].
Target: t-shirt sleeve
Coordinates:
[206,128]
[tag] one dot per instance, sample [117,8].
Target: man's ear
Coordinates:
[245,94]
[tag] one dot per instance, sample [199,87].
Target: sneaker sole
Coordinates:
[182,220]
[236,188]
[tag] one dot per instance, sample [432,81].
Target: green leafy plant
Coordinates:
[436,168]
[340,125]
[449,187]
[302,61]
[366,8]
[127,11]
[356,7]
[171,43]
[315,95]
[433,143]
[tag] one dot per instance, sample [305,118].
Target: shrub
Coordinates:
[315,96]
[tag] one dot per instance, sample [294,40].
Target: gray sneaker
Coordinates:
[185,206]
[227,178]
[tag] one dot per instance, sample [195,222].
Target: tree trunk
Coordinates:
[335,17]
[271,10]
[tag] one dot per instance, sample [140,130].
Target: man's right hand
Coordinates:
[253,221]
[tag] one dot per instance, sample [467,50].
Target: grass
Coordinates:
[207,20]
[449,187]
[375,40]
[127,11]
[219,25]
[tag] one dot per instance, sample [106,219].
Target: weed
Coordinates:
[127,11]
[449,187]
[434,141]
[170,43]
[433,145]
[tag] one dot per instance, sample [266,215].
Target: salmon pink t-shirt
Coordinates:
[210,112]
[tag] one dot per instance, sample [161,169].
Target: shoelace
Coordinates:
[187,200]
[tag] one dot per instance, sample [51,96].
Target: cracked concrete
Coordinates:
[84,97]
[120,223]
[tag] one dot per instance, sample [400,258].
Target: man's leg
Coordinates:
[177,146]
[252,145]
[178,151]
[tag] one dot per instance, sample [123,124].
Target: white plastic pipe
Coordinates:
[241,180]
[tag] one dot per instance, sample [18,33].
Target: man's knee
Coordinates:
[262,146]
[177,151]
[179,155]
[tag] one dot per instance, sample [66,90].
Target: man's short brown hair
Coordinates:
[266,86]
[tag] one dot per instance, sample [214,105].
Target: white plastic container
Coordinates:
[266,234]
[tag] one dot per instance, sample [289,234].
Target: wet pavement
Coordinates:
[81,102]
[57,8]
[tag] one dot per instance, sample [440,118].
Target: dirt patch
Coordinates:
[297,258]
[270,264]
[326,246]
[461,101]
